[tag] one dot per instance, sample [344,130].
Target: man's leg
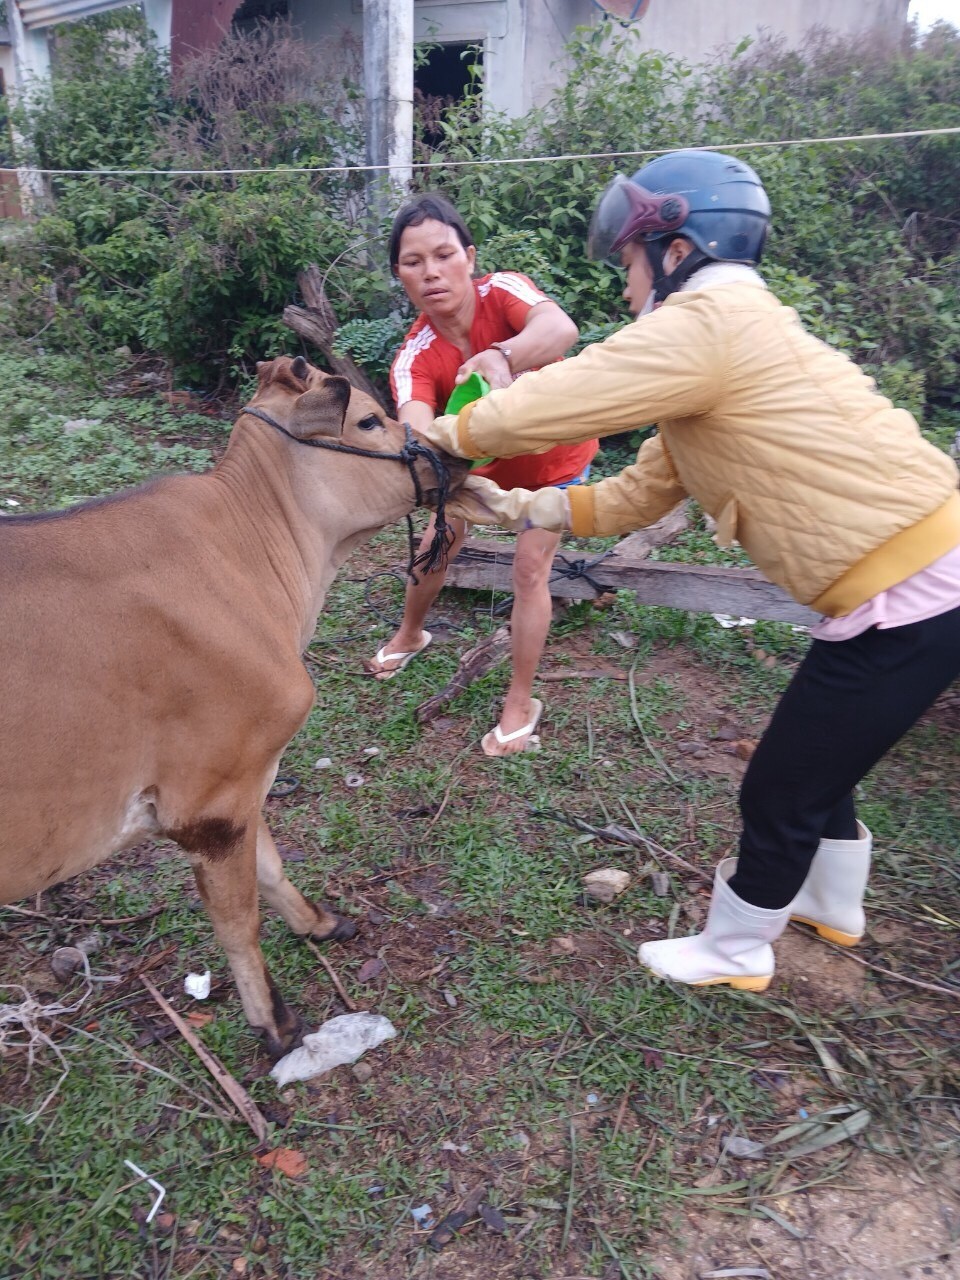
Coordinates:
[418,601]
[529,625]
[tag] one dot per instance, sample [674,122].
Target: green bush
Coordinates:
[864,241]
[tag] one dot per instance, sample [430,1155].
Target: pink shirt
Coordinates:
[932,591]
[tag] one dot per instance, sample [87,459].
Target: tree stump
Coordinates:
[317,323]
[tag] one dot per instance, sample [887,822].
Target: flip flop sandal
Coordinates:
[528,730]
[402,659]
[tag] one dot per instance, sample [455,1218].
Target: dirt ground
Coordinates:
[882,1218]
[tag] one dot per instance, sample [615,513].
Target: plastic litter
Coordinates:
[342,1039]
[743,1149]
[423,1216]
[197,985]
[726,620]
[161,1191]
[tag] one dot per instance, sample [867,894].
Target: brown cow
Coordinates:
[150,668]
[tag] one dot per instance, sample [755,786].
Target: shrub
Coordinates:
[864,241]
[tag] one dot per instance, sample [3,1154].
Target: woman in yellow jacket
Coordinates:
[832,491]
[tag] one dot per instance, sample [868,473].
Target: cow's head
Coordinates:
[316,406]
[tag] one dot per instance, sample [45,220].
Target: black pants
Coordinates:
[847,705]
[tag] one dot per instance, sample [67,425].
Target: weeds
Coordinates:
[533,1055]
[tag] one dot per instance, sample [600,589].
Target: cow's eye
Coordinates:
[368,423]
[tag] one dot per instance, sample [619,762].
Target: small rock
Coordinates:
[606,884]
[123,352]
[371,751]
[625,639]
[362,1071]
[324,763]
[660,882]
[450,998]
[65,962]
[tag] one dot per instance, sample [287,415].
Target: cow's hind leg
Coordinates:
[306,918]
[226,878]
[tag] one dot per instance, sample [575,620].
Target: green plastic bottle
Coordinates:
[473,388]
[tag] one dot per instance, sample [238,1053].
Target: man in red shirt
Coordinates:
[499,326]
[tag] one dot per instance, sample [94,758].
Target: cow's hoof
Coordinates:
[342,931]
[278,1047]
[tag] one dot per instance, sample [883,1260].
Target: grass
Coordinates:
[533,1057]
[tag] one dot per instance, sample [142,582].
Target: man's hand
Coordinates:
[480,501]
[490,364]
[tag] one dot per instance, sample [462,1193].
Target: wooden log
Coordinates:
[694,587]
[317,323]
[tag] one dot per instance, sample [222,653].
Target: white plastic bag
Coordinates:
[342,1039]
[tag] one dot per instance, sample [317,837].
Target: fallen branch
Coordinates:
[107,923]
[621,835]
[248,1109]
[582,675]
[476,662]
[333,977]
[455,1221]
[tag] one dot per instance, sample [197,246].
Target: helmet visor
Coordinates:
[626,210]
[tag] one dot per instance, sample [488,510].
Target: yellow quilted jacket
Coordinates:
[830,490]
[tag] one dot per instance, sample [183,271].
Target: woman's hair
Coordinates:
[428,207]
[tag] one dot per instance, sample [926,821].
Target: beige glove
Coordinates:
[443,433]
[480,501]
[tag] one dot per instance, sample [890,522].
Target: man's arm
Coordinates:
[547,333]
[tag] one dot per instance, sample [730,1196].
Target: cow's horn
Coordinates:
[321,412]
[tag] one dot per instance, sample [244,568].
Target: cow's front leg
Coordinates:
[228,886]
[306,918]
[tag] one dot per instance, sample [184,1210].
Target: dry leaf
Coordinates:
[285,1160]
[370,969]
[197,1018]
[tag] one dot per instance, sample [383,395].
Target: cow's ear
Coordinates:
[321,412]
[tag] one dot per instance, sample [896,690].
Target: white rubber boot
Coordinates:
[832,895]
[733,949]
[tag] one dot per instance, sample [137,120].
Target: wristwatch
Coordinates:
[504,350]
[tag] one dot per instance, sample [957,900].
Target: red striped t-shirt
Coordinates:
[425,369]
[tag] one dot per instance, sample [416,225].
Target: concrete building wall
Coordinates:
[695,28]
[523,40]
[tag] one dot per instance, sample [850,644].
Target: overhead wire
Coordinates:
[489,162]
